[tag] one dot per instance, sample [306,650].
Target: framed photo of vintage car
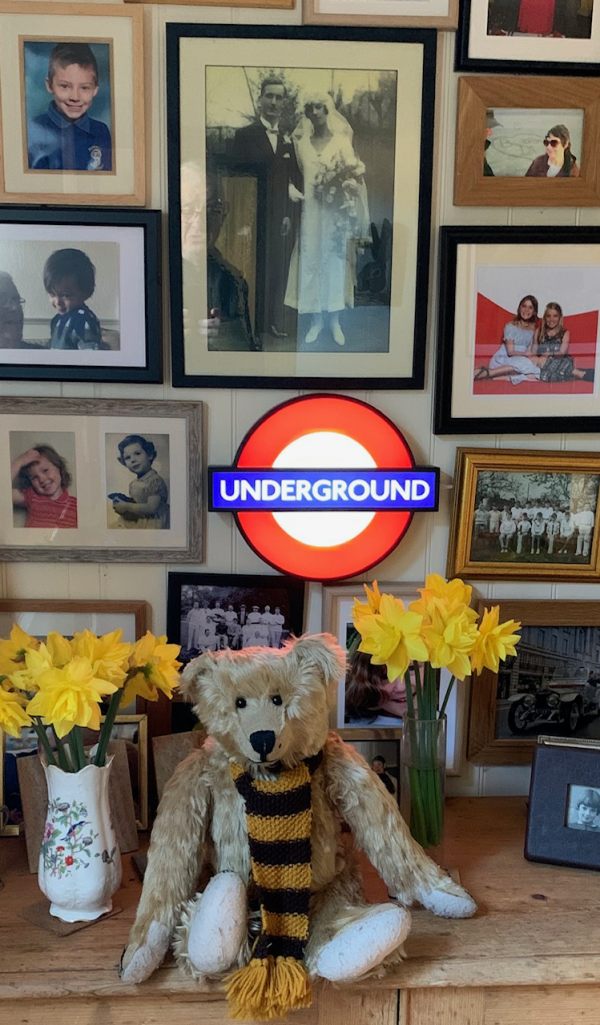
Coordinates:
[71,104]
[551,686]
[299,230]
[523,515]
[402,13]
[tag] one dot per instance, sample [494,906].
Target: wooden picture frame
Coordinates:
[504,502]
[440,14]
[243,296]
[106,512]
[134,729]
[337,607]
[89,152]
[515,111]
[486,274]
[563,814]
[114,332]
[492,42]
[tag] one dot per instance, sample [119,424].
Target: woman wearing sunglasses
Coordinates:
[558,160]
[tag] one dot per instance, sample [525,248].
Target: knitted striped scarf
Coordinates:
[278,819]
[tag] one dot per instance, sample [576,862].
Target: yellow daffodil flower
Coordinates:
[452,595]
[450,638]
[392,638]
[494,641]
[59,649]
[13,649]
[157,669]
[370,607]
[70,696]
[12,714]
[37,662]
[108,654]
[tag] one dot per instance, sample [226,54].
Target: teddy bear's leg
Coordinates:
[212,934]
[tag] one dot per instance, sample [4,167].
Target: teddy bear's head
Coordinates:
[267,705]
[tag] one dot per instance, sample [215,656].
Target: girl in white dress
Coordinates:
[512,359]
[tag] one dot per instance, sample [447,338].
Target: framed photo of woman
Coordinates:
[299,205]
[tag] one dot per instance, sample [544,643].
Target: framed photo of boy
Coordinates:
[522,515]
[214,611]
[525,37]
[299,199]
[527,141]
[403,13]
[551,686]
[519,330]
[101,480]
[77,80]
[79,294]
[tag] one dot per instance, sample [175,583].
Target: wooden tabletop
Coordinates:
[536,924]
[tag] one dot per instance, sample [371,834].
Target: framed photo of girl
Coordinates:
[518,335]
[77,80]
[525,37]
[79,295]
[521,515]
[299,198]
[527,141]
[405,13]
[100,480]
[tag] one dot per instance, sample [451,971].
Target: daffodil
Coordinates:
[37,661]
[494,641]
[59,649]
[70,696]
[392,637]
[153,667]
[13,649]
[12,713]
[452,595]
[108,654]
[368,608]
[450,638]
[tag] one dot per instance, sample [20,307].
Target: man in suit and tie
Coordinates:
[264,149]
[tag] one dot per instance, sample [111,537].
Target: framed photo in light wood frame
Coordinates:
[31,165]
[558,650]
[287,5]
[441,14]
[560,96]
[493,487]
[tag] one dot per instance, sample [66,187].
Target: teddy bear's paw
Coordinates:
[214,926]
[363,944]
[448,900]
[138,962]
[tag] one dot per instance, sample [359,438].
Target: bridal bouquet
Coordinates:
[338,182]
[61,684]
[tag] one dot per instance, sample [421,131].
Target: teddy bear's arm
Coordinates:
[174,861]
[380,831]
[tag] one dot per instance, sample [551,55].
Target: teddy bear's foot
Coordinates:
[447,899]
[363,944]
[213,926]
[139,961]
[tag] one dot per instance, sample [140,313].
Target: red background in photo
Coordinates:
[489,327]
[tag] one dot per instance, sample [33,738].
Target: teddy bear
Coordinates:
[263,802]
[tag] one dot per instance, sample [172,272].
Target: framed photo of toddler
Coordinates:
[100,480]
[519,330]
[528,141]
[77,81]
[80,294]
[406,13]
[522,515]
[299,229]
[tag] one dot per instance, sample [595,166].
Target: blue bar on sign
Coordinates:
[323,490]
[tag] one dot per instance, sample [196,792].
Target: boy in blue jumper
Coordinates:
[70,279]
[66,138]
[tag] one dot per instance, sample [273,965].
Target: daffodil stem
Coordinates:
[76,748]
[43,739]
[106,729]
[447,695]
[61,751]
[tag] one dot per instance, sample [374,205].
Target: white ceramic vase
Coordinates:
[80,862]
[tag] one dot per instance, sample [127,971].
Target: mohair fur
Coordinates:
[201,816]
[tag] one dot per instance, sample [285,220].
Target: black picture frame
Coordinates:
[563,775]
[528,64]
[476,407]
[198,360]
[129,295]
[236,589]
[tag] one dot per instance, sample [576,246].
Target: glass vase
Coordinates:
[423,778]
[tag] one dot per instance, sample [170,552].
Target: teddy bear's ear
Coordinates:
[195,672]
[321,653]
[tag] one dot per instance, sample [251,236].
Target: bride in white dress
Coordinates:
[335,219]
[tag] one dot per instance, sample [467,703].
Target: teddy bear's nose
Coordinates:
[263,742]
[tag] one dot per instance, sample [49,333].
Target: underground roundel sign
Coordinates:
[323,487]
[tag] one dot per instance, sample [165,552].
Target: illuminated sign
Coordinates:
[323,487]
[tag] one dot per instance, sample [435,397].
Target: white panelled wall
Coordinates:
[229,413]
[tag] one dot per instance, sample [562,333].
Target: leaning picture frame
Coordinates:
[518,330]
[109,330]
[381,724]
[503,154]
[292,268]
[528,38]
[88,150]
[101,480]
[440,14]
[524,515]
[551,685]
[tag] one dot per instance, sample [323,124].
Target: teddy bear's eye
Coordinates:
[240,702]
[277,699]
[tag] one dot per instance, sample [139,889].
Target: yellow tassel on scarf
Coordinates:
[279,821]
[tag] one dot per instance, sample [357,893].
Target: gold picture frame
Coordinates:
[441,14]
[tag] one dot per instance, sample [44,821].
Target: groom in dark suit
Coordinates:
[263,148]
